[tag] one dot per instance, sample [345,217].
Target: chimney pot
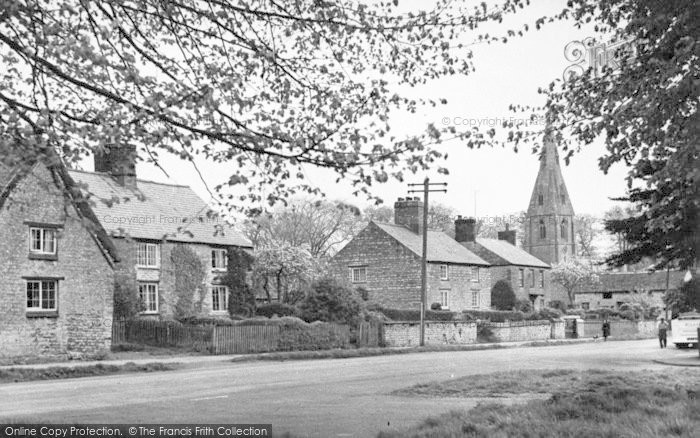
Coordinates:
[465,229]
[409,213]
[508,235]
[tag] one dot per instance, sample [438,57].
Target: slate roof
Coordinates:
[501,253]
[635,281]
[155,211]
[441,247]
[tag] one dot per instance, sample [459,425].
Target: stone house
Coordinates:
[385,260]
[147,221]
[56,267]
[528,276]
[618,288]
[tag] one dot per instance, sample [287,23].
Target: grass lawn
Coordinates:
[593,403]
[26,374]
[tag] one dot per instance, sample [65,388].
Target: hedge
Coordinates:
[414,315]
[495,315]
[279,309]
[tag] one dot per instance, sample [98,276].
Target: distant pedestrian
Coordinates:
[663,328]
[606,329]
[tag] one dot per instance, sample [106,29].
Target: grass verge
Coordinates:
[10,375]
[384,351]
[592,404]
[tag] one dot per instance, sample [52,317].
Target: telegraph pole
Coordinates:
[424,258]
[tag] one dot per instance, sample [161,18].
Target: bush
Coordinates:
[436,306]
[126,299]
[524,306]
[241,298]
[189,276]
[558,304]
[544,314]
[484,333]
[279,309]
[330,301]
[495,315]
[414,315]
[502,296]
[206,320]
[363,293]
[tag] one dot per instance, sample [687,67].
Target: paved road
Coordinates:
[320,398]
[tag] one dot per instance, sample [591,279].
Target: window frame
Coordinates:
[146,303]
[224,259]
[42,252]
[475,275]
[541,278]
[156,255]
[564,229]
[540,199]
[445,299]
[521,277]
[446,275]
[475,299]
[41,310]
[542,229]
[219,287]
[533,280]
[353,269]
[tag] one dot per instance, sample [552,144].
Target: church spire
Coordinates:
[550,215]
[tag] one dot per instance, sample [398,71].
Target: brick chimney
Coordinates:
[120,162]
[465,229]
[409,212]
[507,235]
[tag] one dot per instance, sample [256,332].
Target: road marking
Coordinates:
[209,398]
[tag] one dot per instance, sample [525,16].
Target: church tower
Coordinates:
[550,215]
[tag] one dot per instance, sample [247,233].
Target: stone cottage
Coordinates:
[56,267]
[147,221]
[528,276]
[617,288]
[385,260]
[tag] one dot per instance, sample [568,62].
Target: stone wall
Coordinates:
[623,328]
[81,325]
[513,331]
[407,334]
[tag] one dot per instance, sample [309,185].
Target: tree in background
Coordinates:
[502,296]
[442,218]
[685,298]
[283,273]
[320,227]
[573,275]
[618,214]
[586,233]
[265,87]
[379,213]
[644,104]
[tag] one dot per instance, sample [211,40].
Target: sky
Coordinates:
[484,182]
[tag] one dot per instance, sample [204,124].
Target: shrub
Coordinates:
[436,306]
[363,293]
[279,309]
[189,276]
[558,304]
[206,320]
[414,315]
[523,305]
[495,315]
[502,295]
[328,300]
[544,314]
[126,299]
[241,299]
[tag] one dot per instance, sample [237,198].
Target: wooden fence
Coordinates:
[235,339]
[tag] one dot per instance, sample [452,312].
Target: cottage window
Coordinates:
[475,298]
[445,299]
[532,278]
[475,274]
[219,259]
[541,279]
[358,274]
[444,272]
[219,298]
[147,255]
[543,230]
[42,240]
[521,277]
[148,294]
[42,295]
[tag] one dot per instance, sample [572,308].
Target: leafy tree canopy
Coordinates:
[265,86]
[573,275]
